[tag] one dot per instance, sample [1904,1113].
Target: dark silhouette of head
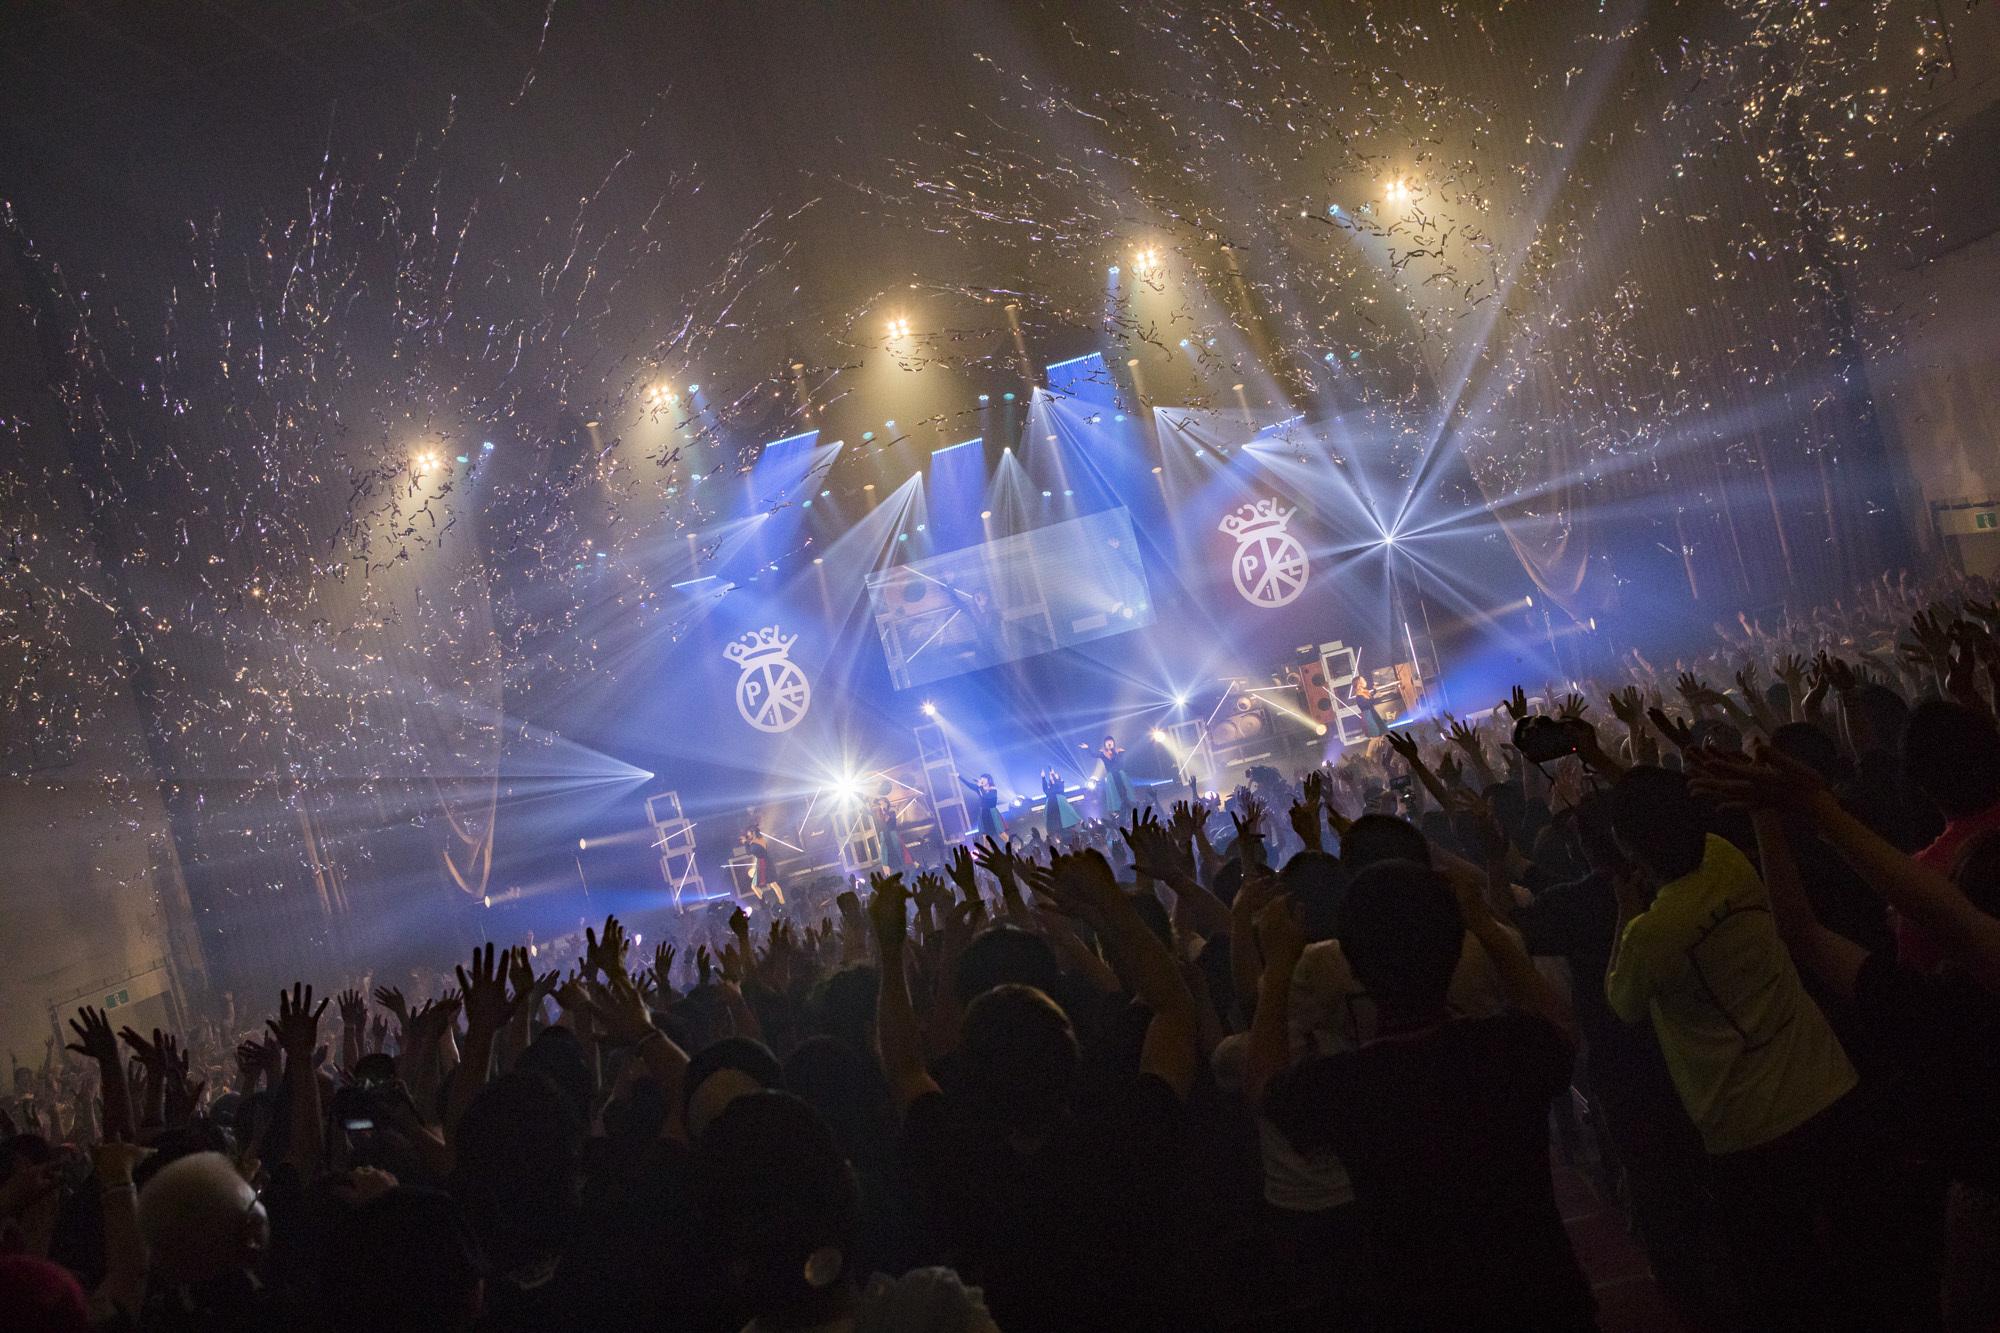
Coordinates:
[1373,838]
[1658,822]
[1018,1056]
[1005,955]
[782,1208]
[1316,883]
[1952,755]
[1401,932]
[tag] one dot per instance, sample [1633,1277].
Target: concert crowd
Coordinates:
[1722,932]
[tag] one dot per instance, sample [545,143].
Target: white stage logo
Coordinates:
[1270,566]
[772,694]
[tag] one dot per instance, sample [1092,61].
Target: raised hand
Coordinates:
[1933,640]
[663,966]
[94,1038]
[1251,820]
[1770,781]
[1450,771]
[149,1052]
[353,1008]
[888,914]
[960,866]
[391,998]
[1699,694]
[1791,669]
[1572,706]
[297,1025]
[1679,734]
[622,1011]
[997,861]
[704,966]
[1627,707]
[1516,704]
[1466,737]
[608,955]
[378,1033]
[487,1006]
[1404,744]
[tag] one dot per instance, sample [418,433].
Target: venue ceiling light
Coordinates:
[899,328]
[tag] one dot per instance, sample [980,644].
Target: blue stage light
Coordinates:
[487,445]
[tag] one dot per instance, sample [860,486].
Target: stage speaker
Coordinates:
[1318,698]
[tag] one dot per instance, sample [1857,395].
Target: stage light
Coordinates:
[487,445]
[1133,362]
[986,513]
[693,388]
[869,487]
[930,709]
[888,425]
[600,555]
[1156,470]
[1320,728]
[1008,396]
[582,843]
[899,328]
[867,434]
[1047,494]
[1236,388]
[824,494]
[819,560]
[902,536]
[1180,701]
[1069,492]
[1114,270]
[486,901]
[1159,735]
[920,527]
[1119,417]
[982,397]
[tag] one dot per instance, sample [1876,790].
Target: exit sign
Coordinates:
[1963,520]
[116,998]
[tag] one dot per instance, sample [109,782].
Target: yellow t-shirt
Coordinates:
[1748,1049]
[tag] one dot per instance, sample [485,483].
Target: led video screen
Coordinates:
[1052,587]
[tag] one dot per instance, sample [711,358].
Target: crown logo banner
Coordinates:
[759,644]
[1252,519]
[772,694]
[1269,567]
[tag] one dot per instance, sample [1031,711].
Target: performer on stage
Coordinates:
[1364,699]
[895,856]
[1057,813]
[1117,786]
[989,806]
[762,881]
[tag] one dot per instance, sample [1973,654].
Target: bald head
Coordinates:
[201,1220]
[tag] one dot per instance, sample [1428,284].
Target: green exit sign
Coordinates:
[116,998]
